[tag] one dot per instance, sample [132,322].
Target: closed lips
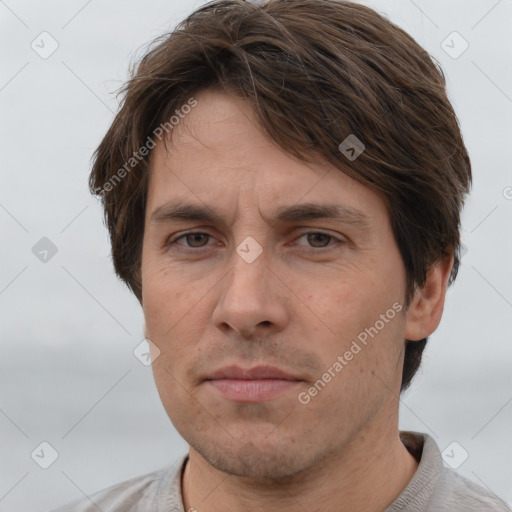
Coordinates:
[256,373]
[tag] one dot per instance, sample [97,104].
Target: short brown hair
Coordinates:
[315,72]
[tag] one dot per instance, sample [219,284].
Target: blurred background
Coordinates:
[69,377]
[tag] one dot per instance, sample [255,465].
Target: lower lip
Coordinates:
[254,390]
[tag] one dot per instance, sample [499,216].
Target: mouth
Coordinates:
[256,384]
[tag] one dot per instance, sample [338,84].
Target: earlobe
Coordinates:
[426,308]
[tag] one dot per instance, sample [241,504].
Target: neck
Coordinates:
[367,474]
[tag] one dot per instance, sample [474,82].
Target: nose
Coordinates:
[252,299]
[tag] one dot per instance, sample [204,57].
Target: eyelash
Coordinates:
[172,242]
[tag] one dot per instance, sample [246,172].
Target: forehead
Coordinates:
[218,154]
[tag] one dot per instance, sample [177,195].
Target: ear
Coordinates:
[426,308]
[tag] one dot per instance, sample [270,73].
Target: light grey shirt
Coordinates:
[433,488]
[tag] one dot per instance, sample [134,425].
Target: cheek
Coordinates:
[166,295]
[175,314]
[358,322]
[339,309]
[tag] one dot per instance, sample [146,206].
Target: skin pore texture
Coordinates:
[300,304]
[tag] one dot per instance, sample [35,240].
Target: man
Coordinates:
[283,186]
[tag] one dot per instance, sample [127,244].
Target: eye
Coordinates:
[318,240]
[192,238]
[198,240]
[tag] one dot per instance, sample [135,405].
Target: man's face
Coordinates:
[318,286]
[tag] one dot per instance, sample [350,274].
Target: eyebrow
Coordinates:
[177,210]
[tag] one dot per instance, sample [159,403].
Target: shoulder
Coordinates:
[139,494]
[455,492]
[437,488]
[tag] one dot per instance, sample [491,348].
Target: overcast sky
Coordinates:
[68,327]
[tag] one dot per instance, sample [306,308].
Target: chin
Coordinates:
[256,461]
